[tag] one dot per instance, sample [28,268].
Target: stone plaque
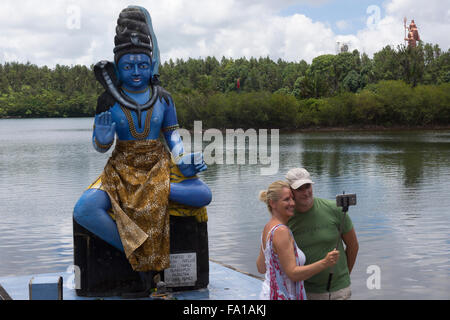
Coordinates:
[182,271]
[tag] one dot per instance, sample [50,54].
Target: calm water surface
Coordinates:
[402,219]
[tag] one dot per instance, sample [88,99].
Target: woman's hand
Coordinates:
[332,258]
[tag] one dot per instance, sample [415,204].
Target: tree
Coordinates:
[352,81]
[385,65]
[411,61]
[322,75]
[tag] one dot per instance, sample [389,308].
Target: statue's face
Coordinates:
[135,71]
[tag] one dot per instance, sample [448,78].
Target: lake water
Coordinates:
[402,219]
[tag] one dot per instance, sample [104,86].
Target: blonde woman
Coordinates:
[280,258]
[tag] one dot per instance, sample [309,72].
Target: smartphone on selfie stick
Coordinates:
[343,201]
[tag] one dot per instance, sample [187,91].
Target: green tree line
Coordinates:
[398,86]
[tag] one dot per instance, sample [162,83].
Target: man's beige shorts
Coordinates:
[343,294]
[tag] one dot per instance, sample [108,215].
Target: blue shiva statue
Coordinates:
[127,206]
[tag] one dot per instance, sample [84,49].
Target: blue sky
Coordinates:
[73,32]
[330,12]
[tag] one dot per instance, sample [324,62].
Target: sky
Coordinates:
[71,32]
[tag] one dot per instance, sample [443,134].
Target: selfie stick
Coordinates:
[345,204]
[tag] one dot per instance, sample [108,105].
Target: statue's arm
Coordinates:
[189,164]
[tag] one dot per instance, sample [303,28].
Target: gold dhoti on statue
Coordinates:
[137,180]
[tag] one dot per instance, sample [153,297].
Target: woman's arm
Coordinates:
[284,247]
[261,262]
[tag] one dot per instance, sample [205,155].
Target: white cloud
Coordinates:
[432,19]
[41,33]
[343,24]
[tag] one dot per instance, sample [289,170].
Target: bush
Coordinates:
[368,109]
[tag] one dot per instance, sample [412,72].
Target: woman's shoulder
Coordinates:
[272,227]
[282,238]
[281,232]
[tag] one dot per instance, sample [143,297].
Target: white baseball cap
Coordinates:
[297,177]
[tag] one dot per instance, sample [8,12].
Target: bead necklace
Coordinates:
[133,131]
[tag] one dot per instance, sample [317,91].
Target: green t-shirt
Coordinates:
[316,232]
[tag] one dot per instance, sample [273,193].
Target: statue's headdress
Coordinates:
[134,34]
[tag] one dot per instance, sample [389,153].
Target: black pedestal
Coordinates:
[188,236]
[105,271]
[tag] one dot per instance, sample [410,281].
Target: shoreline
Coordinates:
[370,128]
[351,128]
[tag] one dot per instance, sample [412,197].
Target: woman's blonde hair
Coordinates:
[272,193]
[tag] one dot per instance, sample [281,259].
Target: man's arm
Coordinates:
[352,246]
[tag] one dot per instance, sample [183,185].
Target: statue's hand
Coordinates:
[104,128]
[191,164]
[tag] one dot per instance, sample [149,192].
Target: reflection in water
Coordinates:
[402,181]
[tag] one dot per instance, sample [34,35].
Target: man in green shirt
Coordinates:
[315,226]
